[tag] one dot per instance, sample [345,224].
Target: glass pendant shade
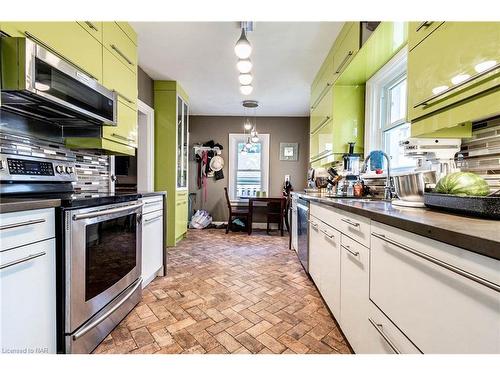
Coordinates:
[245,79]
[246,89]
[244,65]
[243,49]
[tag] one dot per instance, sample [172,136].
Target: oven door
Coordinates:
[103,257]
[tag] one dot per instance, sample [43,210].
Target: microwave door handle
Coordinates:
[106,212]
[91,325]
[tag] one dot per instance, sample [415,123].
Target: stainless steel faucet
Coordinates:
[388,186]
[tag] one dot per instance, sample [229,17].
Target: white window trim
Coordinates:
[373,117]
[233,139]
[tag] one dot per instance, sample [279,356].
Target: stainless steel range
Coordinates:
[99,248]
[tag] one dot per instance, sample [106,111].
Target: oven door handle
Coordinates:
[106,212]
[90,325]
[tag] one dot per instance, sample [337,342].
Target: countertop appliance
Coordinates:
[38,83]
[303,232]
[98,241]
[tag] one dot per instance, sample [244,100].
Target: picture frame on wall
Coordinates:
[289,151]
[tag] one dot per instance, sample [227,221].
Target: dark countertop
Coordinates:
[23,204]
[481,236]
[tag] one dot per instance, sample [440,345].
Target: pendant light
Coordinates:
[245,78]
[247,125]
[246,89]
[243,49]
[244,66]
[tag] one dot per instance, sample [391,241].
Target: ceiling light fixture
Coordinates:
[246,89]
[243,49]
[247,125]
[244,65]
[245,79]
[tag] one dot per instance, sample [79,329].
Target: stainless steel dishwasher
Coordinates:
[302,232]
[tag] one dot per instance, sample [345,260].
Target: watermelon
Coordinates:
[463,183]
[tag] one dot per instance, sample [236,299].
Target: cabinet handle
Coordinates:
[425,24]
[321,95]
[122,137]
[92,25]
[318,128]
[22,260]
[152,219]
[354,224]
[329,235]
[122,54]
[22,224]
[126,98]
[349,54]
[379,328]
[453,88]
[152,202]
[438,262]
[313,224]
[355,253]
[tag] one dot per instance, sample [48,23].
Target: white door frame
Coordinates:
[146,163]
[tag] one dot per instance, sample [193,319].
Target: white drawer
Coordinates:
[355,226]
[152,204]
[384,337]
[152,245]
[326,214]
[436,293]
[25,227]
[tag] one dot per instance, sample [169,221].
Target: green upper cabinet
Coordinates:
[116,41]
[456,66]
[418,31]
[68,39]
[346,46]
[94,28]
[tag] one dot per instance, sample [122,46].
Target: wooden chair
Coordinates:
[235,212]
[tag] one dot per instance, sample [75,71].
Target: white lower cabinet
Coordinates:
[324,263]
[441,297]
[354,265]
[28,298]
[383,337]
[152,245]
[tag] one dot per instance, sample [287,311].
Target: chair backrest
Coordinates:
[227,198]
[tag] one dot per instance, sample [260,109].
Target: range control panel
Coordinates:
[21,168]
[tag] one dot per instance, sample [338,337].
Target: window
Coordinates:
[386,112]
[249,169]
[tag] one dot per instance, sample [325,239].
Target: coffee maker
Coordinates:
[351,162]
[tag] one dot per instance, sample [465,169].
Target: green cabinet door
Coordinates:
[94,28]
[126,129]
[115,40]
[68,39]
[181,214]
[117,76]
[322,112]
[348,46]
[458,61]
[418,31]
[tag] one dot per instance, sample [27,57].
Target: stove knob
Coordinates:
[59,169]
[69,170]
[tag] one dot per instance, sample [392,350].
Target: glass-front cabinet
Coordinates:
[182,142]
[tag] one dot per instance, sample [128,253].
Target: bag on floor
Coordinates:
[201,219]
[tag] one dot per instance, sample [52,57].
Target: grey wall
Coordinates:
[281,129]
[145,84]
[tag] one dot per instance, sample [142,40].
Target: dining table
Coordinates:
[280,200]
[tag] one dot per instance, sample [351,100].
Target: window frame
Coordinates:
[377,90]
[234,139]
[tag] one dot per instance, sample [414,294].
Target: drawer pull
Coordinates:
[318,128]
[321,95]
[122,54]
[153,202]
[349,54]
[425,24]
[329,235]
[22,260]
[438,262]
[22,224]
[91,25]
[116,135]
[379,328]
[127,99]
[355,253]
[354,224]
[468,80]
[313,224]
[152,219]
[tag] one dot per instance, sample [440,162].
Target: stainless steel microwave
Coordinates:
[40,84]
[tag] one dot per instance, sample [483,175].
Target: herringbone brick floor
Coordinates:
[229,294]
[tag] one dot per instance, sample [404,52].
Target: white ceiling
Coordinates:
[200,55]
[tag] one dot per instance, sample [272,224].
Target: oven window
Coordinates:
[110,253]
